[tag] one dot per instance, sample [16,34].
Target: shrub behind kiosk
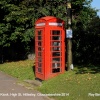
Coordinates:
[49,47]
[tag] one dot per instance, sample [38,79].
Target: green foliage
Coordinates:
[83,39]
[3,36]
[17,20]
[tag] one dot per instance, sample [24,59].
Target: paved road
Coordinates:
[10,90]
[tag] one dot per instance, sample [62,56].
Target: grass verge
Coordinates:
[78,84]
[21,69]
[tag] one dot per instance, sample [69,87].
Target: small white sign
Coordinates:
[40,24]
[55,24]
[69,33]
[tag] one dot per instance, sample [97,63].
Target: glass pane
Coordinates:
[55,65]
[56,38]
[39,38]
[55,59]
[39,64]
[39,32]
[39,70]
[39,54]
[56,44]
[55,70]
[39,48]
[56,49]
[55,32]
[54,54]
[39,43]
[39,59]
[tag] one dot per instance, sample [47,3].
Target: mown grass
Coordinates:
[21,69]
[77,83]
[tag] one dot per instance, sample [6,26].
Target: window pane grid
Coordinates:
[56,50]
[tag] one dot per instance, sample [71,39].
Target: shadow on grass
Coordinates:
[33,69]
[87,69]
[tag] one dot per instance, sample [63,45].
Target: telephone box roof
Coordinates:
[49,18]
[49,21]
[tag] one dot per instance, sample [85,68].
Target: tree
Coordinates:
[17,20]
[93,43]
[15,24]
[81,37]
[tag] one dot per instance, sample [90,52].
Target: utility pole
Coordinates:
[69,35]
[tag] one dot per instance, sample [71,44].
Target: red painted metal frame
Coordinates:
[48,25]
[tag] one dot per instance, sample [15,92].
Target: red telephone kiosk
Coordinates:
[49,47]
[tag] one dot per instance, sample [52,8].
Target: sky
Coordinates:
[96,4]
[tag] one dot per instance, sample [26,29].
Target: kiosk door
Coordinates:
[39,42]
[56,50]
